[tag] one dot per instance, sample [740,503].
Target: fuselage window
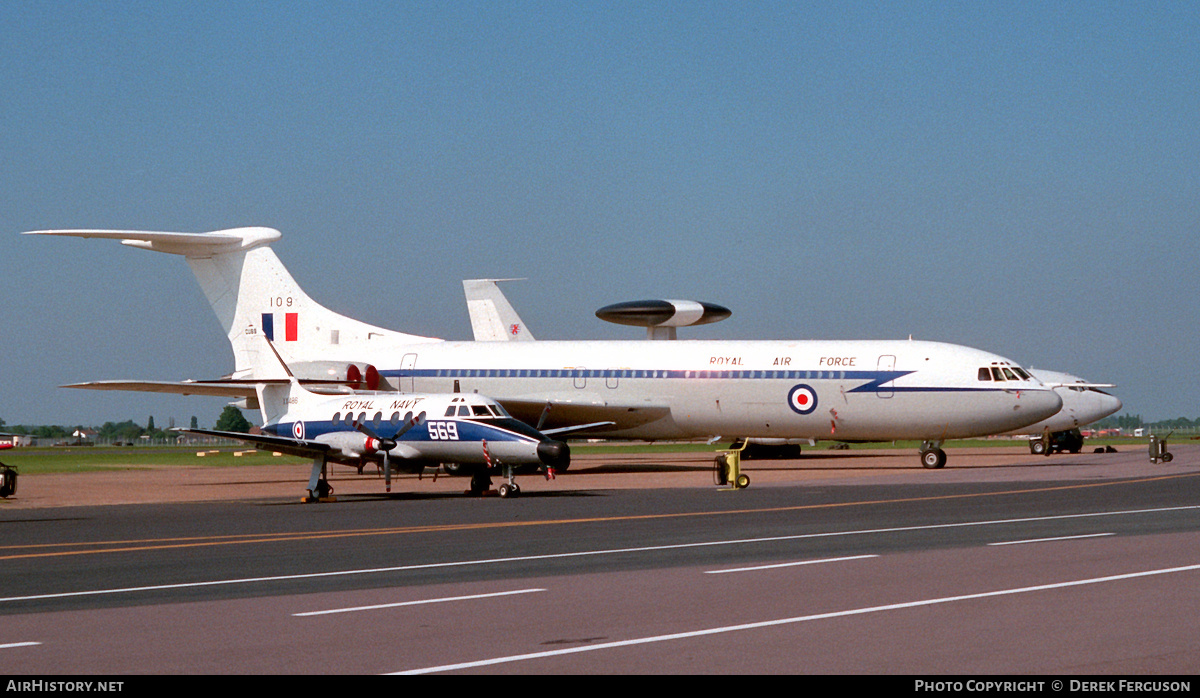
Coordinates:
[395,418]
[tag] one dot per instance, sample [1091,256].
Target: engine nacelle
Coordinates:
[352,444]
[352,375]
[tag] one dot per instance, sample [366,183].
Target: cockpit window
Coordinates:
[480,411]
[996,374]
[985,374]
[1021,372]
[1009,374]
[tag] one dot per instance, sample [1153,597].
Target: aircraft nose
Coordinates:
[1044,403]
[555,454]
[1110,404]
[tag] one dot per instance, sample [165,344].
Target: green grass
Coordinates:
[87,459]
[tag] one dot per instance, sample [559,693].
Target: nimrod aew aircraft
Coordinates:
[843,390]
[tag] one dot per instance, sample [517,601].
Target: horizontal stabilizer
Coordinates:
[187,244]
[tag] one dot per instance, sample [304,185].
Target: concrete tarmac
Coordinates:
[837,562]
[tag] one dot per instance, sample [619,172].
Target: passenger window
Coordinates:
[337,417]
[395,418]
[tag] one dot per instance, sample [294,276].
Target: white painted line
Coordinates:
[416,603]
[1045,540]
[790,564]
[791,621]
[582,553]
[18,644]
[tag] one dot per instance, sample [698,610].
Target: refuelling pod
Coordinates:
[661,317]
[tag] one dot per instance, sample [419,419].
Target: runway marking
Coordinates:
[791,621]
[1046,540]
[11,645]
[416,603]
[582,553]
[247,538]
[790,564]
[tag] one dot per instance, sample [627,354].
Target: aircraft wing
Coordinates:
[293,447]
[564,416]
[216,388]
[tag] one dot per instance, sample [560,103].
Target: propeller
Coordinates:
[386,445]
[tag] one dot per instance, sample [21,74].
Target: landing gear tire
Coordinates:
[506,490]
[933,458]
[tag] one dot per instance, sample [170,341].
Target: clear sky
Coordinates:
[1019,177]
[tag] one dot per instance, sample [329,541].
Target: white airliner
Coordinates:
[843,390]
[1083,403]
[405,432]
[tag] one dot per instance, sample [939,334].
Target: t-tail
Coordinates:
[251,292]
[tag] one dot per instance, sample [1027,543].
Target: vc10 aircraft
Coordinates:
[871,390]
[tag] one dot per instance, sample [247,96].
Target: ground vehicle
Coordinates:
[1059,441]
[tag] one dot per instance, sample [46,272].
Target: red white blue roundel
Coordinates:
[802,399]
[298,429]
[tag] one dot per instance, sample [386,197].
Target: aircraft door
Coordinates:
[405,380]
[887,362]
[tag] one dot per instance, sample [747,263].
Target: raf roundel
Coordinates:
[298,429]
[802,399]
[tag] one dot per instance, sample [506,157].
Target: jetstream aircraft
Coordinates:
[466,429]
[843,390]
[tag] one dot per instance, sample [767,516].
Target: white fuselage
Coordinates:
[843,390]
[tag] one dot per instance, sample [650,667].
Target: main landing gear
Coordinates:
[481,482]
[319,489]
[932,455]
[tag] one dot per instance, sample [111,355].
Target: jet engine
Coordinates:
[338,373]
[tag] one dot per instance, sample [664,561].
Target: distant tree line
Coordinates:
[231,419]
[1127,422]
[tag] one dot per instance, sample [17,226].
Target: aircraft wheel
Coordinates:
[506,490]
[454,469]
[933,458]
[743,481]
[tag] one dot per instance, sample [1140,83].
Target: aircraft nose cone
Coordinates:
[1045,403]
[1111,405]
[555,454]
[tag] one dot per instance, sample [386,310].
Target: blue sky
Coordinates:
[1019,177]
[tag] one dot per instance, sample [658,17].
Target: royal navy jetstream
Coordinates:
[406,432]
[843,390]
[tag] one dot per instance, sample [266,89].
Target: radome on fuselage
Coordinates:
[871,390]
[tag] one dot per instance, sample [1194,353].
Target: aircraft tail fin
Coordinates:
[251,291]
[493,318]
